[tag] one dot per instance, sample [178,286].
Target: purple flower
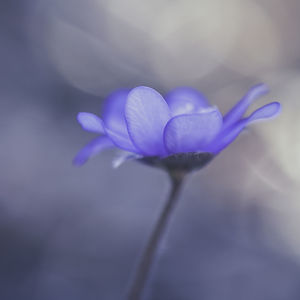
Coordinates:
[147,125]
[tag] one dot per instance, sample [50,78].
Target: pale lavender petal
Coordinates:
[114,111]
[121,140]
[92,148]
[185,100]
[147,114]
[90,122]
[192,132]
[228,136]
[267,111]
[123,157]
[237,112]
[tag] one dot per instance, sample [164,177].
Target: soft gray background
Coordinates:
[76,233]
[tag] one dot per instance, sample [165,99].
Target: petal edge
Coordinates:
[90,122]
[192,132]
[238,110]
[265,112]
[92,148]
[146,114]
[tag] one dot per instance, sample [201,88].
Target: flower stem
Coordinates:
[145,264]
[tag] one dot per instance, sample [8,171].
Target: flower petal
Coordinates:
[228,136]
[147,113]
[121,140]
[92,148]
[237,112]
[90,122]
[114,111]
[192,132]
[114,120]
[267,111]
[123,157]
[185,100]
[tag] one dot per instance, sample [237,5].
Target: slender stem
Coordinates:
[145,264]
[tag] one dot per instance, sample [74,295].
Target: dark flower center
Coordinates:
[180,162]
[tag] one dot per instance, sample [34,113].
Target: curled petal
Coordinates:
[146,114]
[228,136]
[185,100]
[237,112]
[91,149]
[267,111]
[90,122]
[192,132]
[114,111]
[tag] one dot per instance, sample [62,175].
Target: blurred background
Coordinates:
[76,233]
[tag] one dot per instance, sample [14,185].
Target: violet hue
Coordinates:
[144,123]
